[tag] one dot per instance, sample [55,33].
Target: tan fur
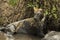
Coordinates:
[37,10]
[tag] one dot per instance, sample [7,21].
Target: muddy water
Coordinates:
[25,37]
[18,37]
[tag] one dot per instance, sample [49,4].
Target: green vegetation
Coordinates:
[50,7]
[13,2]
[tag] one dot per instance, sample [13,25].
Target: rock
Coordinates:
[53,35]
[4,36]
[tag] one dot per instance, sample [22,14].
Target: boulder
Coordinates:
[53,35]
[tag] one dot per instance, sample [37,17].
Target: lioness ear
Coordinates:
[37,10]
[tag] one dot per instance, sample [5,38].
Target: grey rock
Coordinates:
[53,35]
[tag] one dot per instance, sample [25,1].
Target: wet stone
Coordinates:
[2,36]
